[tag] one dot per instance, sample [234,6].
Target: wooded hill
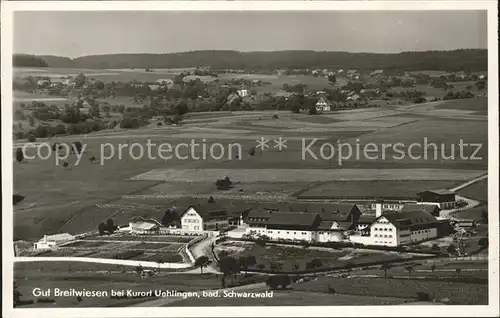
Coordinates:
[457,60]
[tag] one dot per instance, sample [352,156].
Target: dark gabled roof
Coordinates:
[338,211]
[366,219]
[439,191]
[209,211]
[291,218]
[410,218]
[429,208]
[259,213]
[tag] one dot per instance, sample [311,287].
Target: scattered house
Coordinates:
[144,227]
[154,87]
[444,199]
[42,82]
[49,241]
[377,73]
[481,77]
[165,82]
[399,228]
[340,71]
[432,209]
[323,105]
[243,92]
[315,72]
[354,97]
[206,217]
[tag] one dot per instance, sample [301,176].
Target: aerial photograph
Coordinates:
[261,158]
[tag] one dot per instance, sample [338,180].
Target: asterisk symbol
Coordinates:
[280,144]
[262,143]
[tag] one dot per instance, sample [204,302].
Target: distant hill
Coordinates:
[24,60]
[457,60]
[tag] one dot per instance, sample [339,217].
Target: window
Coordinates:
[390,230]
[287,232]
[304,233]
[390,236]
[296,232]
[385,229]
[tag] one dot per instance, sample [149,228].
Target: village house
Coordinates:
[144,227]
[243,92]
[165,82]
[323,105]
[49,241]
[377,73]
[444,199]
[206,217]
[400,228]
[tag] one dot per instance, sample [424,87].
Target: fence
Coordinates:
[103,261]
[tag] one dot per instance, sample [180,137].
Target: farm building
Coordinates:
[243,92]
[399,228]
[154,87]
[141,227]
[432,209]
[388,206]
[206,217]
[49,241]
[377,72]
[327,226]
[323,105]
[445,199]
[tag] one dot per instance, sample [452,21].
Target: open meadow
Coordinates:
[68,198]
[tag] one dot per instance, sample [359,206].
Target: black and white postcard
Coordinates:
[233,159]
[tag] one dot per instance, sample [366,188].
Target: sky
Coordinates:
[74,34]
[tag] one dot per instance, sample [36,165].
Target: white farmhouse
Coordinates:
[207,217]
[243,92]
[323,105]
[49,241]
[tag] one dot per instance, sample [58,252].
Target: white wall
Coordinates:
[442,205]
[422,235]
[329,236]
[192,221]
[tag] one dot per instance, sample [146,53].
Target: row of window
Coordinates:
[287,232]
[389,236]
[382,242]
[191,221]
[422,231]
[383,229]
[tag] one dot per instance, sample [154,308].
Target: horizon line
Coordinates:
[237,51]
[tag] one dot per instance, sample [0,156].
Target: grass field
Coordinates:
[477,191]
[294,298]
[394,189]
[478,106]
[461,293]
[65,199]
[56,275]
[288,257]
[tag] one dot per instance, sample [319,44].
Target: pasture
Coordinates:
[458,292]
[477,191]
[65,275]
[294,258]
[59,198]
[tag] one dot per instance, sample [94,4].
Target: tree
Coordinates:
[385,267]
[101,228]
[275,281]
[170,217]
[295,267]
[139,269]
[17,294]
[451,249]
[201,262]
[316,263]
[435,247]
[229,266]
[332,79]
[484,215]
[480,85]
[251,152]
[483,242]
[410,269]
[30,138]
[312,110]
[458,271]
[93,159]
[181,108]
[251,261]
[110,226]
[80,80]
[77,147]
[19,155]
[422,296]
[211,199]
[159,261]
[433,267]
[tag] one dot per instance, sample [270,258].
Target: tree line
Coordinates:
[456,60]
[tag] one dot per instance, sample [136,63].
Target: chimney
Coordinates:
[378,208]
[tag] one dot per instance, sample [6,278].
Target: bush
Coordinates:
[45,300]
[30,138]
[422,296]
[331,290]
